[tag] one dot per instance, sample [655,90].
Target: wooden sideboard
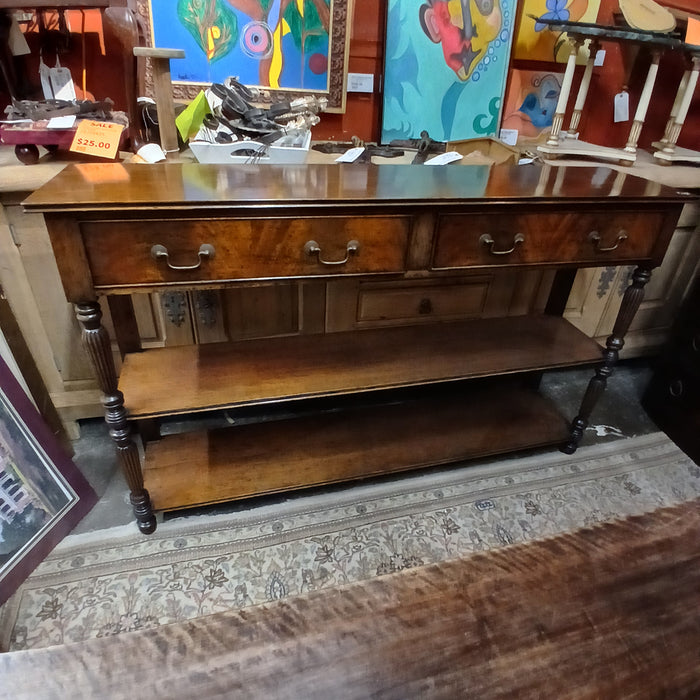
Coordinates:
[358,402]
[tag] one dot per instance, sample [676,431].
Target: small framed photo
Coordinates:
[43,495]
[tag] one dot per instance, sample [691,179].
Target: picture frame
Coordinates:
[446,66]
[254,48]
[43,495]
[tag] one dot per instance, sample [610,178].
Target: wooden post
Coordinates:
[162,86]
[558,120]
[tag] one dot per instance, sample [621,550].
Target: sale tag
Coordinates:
[97,138]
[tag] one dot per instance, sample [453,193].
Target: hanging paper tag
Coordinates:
[622,106]
[44,76]
[61,82]
[97,138]
[15,41]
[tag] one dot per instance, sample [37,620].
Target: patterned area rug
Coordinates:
[117,580]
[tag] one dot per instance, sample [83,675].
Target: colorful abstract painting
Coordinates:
[446,65]
[280,44]
[531,100]
[534,41]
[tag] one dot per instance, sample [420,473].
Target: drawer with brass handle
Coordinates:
[154,252]
[501,238]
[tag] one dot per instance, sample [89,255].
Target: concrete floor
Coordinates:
[618,414]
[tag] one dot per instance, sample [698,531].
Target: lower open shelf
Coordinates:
[198,468]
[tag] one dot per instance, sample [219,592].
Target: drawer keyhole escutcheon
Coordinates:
[313,248]
[487,240]
[425,306]
[594,238]
[160,252]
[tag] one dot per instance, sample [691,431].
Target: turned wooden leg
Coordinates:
[96,342]
[630,303]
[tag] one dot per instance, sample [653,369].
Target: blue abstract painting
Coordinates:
[278,44]
[446,67]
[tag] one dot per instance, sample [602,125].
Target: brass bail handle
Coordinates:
[487,240]
[313,248]
[594,238]
[160,252]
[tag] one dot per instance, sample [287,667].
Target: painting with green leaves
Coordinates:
[446,67]
[275,44]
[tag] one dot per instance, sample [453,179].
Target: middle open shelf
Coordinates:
[196,378]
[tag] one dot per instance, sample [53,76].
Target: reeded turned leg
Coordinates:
[96,342]
[630,304]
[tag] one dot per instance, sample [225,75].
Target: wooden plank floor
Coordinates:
[608,612]
[172,381]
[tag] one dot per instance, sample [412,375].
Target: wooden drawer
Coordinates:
[120,252]
[422,301]
[600,238]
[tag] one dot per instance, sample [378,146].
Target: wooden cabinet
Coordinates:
[394,266]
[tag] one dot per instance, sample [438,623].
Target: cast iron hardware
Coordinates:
[594,237]
[313,248]
[487,239]
[160,251]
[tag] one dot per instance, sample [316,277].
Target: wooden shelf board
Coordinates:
[225,464]
[174,381]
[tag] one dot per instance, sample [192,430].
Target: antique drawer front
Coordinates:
[422,302]
[560,237]
[165,251]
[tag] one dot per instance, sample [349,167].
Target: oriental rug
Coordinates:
[117,580]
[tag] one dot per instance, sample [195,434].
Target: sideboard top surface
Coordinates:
[110,186]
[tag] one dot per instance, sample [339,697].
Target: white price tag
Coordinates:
[444,158]
[61,122]
[351,155]
[509,136]
[622,106]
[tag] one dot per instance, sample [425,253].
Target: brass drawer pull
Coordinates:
[313,248]
[158,252]
[487,239]
[594,237]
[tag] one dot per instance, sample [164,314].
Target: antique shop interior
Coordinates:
[349,348]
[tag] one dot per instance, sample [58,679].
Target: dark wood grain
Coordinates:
[120,252]
[548,237]
[606,612]
[268,457]
[183,186]
[169,381]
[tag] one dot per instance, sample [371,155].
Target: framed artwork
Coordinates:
[531,100]
[534,41]
[445,69]
[288,48]
[43,495]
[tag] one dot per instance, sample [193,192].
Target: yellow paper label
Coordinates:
[97,138]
